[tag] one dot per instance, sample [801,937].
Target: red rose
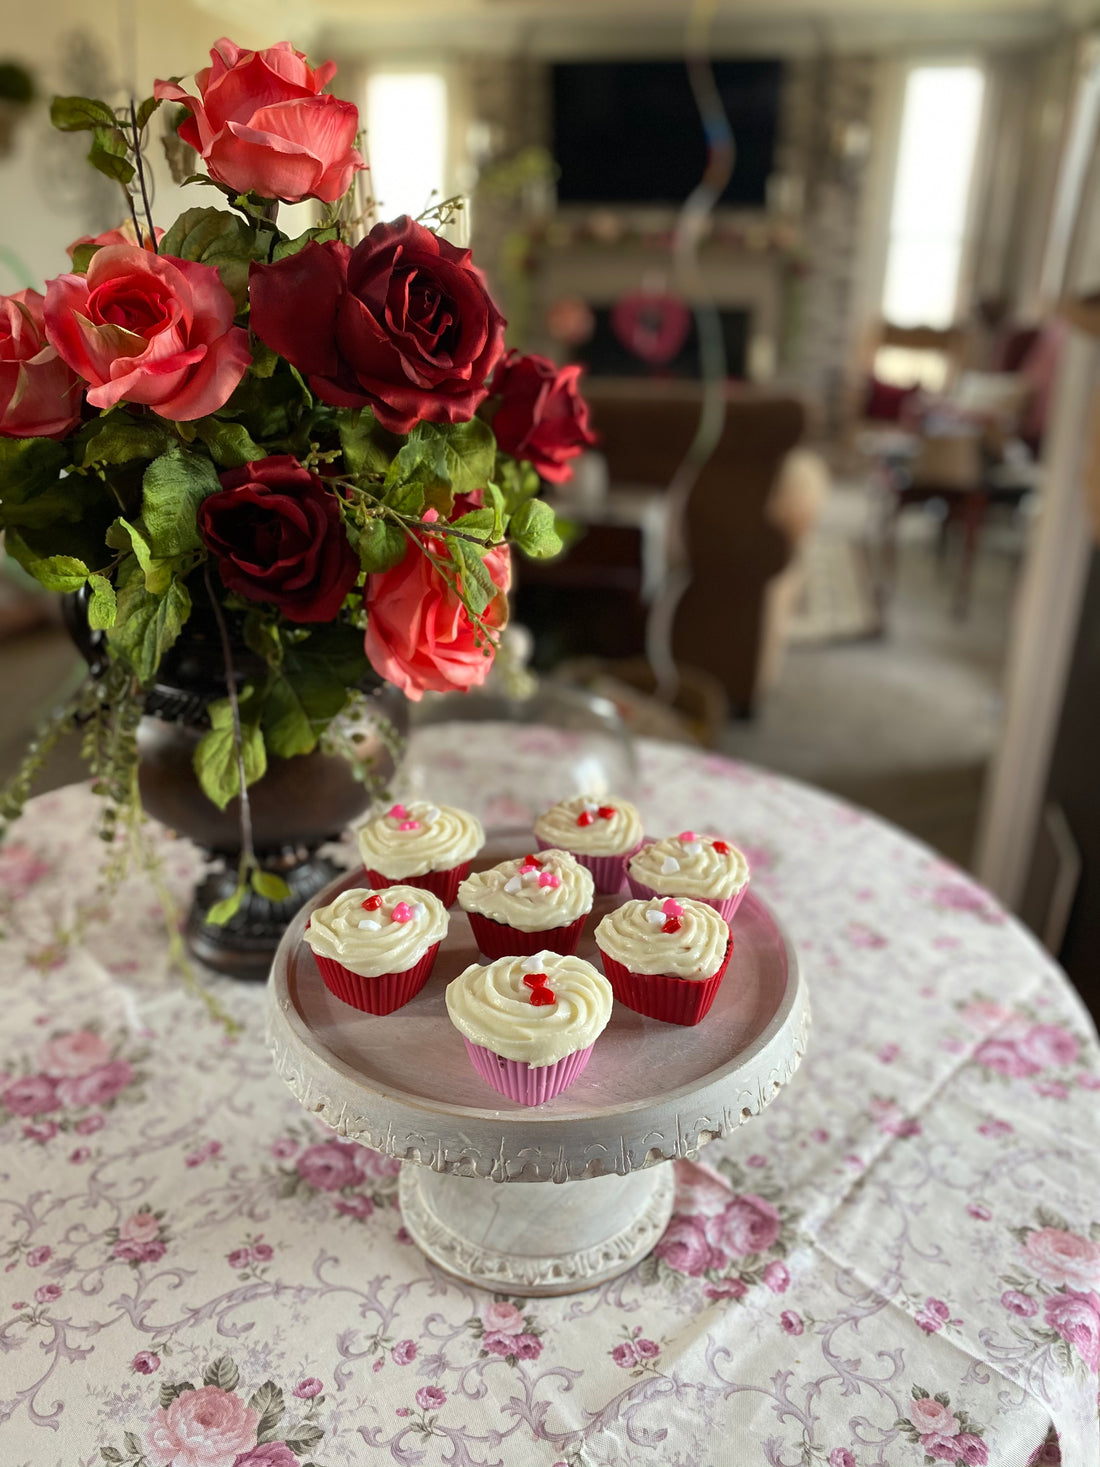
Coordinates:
[419,634]
[402,324]
[262,126]
[542,416]
[124,234]
[40,394]
[277,536]
[151,329]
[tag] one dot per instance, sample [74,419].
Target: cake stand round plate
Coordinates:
[652,1093]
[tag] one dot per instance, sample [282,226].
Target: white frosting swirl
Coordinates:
[519,893]
[492,1007]
[367,940]
[612,835]
[413,839]
[694,868]
[635,938]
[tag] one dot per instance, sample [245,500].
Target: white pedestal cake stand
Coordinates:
[652,1093]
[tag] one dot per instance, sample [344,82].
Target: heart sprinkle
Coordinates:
[398,812]
[673,924]
[549,878]
[372,903]
[540,993]
[672,908]
[431,813]
[669,866]
[365,923]
[585,818]
[531,861]
[402,912]
[513,884]
[686,836]
[693,847]
[607,812]
[533,963]
[655,917]
[721,847]
[409,825]
[528,866]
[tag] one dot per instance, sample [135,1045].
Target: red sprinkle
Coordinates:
[606,812]
[534,980]
[721,847]
[584,818]
[372,903]
[673,924]
[531,861]
[540,994]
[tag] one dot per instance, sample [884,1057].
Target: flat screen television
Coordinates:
[629,132]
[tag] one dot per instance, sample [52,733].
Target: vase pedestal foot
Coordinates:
[529,1238]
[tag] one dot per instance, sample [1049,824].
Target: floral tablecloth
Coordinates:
[898,1263]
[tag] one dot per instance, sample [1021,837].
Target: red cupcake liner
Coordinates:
[443,884]
[380,995]
[608,872]
[498,940]
[672,1000]
[524,1083]
[724,906]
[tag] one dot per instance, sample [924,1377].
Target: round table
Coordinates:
[899,1260]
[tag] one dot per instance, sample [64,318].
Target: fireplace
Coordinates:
[605,355]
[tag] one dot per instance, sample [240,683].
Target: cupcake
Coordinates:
[602,834]
[375,949]
[665,958]
[532,904]
[690,865]
[421,845]
[529,1023]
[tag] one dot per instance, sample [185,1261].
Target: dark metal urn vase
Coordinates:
[298,805]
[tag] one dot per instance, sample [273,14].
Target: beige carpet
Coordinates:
[837,601]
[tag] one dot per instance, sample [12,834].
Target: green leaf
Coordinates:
[32,492]
[55,572]
[478,586]
[225,910]
[215,757]
[131,1443]
[261,634]
[146,110]
[78,114]
[111,1454]
[109,153]
[271,887]
[287,727]
[159,572]
[82,257]
[380,544]
[119,438]
[264,360]
[146,625]
[368,447]
[407,499]
[169,1390]
[173,487]
[103,605]
[484,523]
[304,1436]
[533,529]
[267,1400]
[443,459]
[312,688]
[215,237]
[222,1373]
[230,444]
[287,247]
[517,482]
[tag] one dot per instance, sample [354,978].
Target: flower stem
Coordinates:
[141,180]
[248,854]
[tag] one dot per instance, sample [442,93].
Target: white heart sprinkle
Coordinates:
[369,925]
[431,813]
[591,808]
[693,847]
[529,877]
[655,916]
[513,884]
[535,963]
[418,909]
[669,866]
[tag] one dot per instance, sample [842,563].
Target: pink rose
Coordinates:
[503,1319]
[330,1166]
[685,1248]
[647,1349]
[262,125]
[202,1428]
[40,395]
[73,1054]
[306,1389]
[496,1344]
[1051,1089]
[262,1252]
[267,1454]
[748,1224]
[419,635]
[283,1148]
[981,1014]
[47,1293]
[145,1362]
[124,233]
[776,1277]
[1059,1257]
[939,1447]
[971,1449]
[929,1323]
[526,1347]
[1048,1045]
[1005,1058]
[979,1211]
[139,1227]
[1017,1303]
[929,1415]
[841,1457]
[625,1355]
[403,1353]
[791,1322]
[938,1309]
[38,1256]
[358,1206]
[430,1398]
[88,1125]
[1076,1317]
[378,1166]
[1048,1454]
[149,1252]
[97,1086]
[205,1152]
[190,356]
[995,1128]
[239,1258]
[727,1289]
[40,1131]
[31,1096]
[80,1155]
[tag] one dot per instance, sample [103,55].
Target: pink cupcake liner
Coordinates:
[608,872]
[724,906]
[443,884]
[380,995]
[499,940]
[657,996]
[524,1083]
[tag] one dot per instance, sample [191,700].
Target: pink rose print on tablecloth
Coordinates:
[73,1054]
[791,1322]
[727,1289]
[96,1087]
[270,1454]
[684,1247]
[931,1415]
[141,1238]
[20,870]
[38,1256]
[1050,1045]
[430,1398]
[748,1224]
[145,1362]
[201,1427]
[403,1353]
[33,1096]
[47,1293]
[502,1318]
[777,1277]
[1076,1317]
[964,896]
[331,1166]
[1020,1304]
[306,1389]
[945,1434]
[841,1457]
[933,1315]
[507,1332]
[1047,1454]
[1004,1057]
[625,1355]
[1061,1257]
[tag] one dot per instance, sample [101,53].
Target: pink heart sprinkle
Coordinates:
[523,870]
[402,912]
[672,908]
[409,825]
[549,878]
[686,835]
[398,812]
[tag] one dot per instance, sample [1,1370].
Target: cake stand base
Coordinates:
[517,1240]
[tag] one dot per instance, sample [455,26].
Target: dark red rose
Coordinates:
[402,324]
[277,536]
[542,417]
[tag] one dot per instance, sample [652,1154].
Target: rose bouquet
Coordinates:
[320,442]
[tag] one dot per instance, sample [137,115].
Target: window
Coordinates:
[406,140]
[940,124]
